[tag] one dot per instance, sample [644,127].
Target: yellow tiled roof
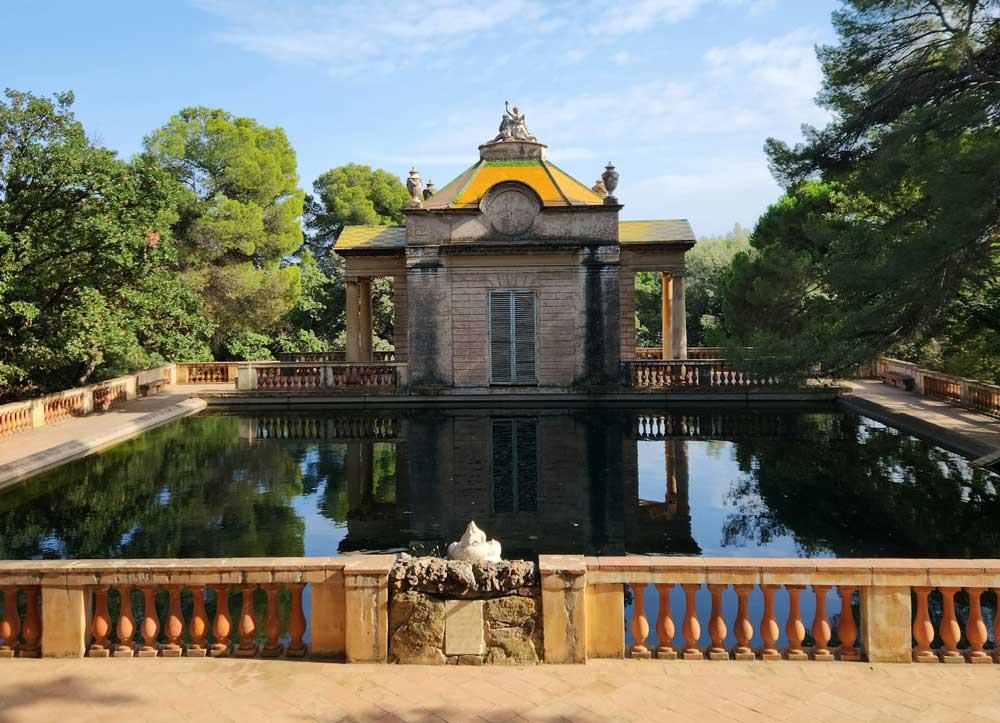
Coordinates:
[646,232]
[371,237]
[553,186]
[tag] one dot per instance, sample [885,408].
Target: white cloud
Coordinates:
[386,37]
[382,37]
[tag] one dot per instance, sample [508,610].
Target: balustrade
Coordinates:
[282,376]
[64,406]
[645,374]
[207,373]
[942,388]
[105,396]
[15,418]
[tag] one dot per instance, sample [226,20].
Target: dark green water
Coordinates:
[596,481]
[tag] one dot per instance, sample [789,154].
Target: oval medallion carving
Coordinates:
[511,212]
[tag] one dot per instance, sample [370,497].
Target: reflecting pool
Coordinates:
[597,480]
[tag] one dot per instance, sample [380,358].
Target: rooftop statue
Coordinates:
[513,127]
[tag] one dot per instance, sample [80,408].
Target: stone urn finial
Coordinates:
[430,190]
[414,185]
[474,546]
[610,178]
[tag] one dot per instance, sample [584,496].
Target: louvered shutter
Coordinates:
[524,338]
[501,337]
[513,338]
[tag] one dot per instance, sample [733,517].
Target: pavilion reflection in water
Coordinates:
[541,482]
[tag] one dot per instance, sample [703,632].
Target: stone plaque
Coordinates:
[463,628]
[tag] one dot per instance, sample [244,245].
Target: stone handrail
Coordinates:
[77,402]
[326,376]
[693,352]
[700,373]
[67,613]
[206,372]
[311,357]
[970,393]
[583,601]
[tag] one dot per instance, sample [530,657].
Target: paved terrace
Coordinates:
[30,451]
[604,690]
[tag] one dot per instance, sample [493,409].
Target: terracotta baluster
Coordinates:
[248,626]
[691,629]
[743,629]
[126,624]
[296,623]
[821,630]
[665,628]
[272,624]
[847,629]
[10,624]
[951,631]
[795,629]
[31,629]
[769,625]
[223,624]
[975,628]
[150,627]
[717,625]
[198,626]
[174,627]
[640,624]
[923,629]
[100,625]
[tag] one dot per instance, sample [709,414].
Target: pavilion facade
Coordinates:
[514,275]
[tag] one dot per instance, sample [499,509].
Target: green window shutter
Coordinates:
[501,337]
[513,338]
[525,360]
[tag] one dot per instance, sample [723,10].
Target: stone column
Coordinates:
[352,312]
[564,607]
[679,319]
[400,322]
[666,310]
[366,330]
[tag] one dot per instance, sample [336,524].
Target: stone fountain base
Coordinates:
[466,613]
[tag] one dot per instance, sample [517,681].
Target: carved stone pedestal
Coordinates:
[664,653]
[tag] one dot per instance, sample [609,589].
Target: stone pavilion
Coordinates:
[514,274]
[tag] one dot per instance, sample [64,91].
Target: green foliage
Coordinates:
[895,247]
[706,265]
[347,195]
[354,195]
[89,285]
[238,218]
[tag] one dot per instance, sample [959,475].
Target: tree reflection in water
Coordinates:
[860,489]
[541,481]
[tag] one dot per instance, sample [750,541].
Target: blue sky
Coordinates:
[679,94]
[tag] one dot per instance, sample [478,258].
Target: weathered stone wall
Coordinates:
[462,612]
[511,630]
